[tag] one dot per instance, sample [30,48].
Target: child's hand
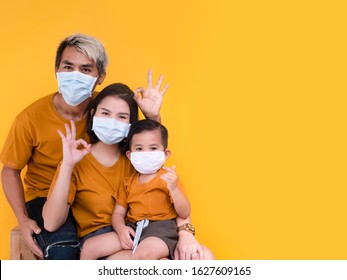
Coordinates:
[125,237]
[170,177]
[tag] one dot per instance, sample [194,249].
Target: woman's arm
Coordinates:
[56,207]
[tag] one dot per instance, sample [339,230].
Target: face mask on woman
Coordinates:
[147,162]
[75,86]
[110,131]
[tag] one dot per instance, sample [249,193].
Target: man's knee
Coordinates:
[63,252]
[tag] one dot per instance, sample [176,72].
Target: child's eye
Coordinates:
[138,149]
[154,148]
[105,113]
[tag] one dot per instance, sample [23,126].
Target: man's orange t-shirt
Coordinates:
[33,141]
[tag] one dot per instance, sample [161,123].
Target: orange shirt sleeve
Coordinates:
[18,146]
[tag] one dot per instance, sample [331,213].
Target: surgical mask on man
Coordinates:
[147,162]
[75,86]
[110,131]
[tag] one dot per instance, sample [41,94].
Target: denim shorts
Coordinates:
[62,244]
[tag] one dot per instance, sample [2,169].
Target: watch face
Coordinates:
[191,227]
[187,227]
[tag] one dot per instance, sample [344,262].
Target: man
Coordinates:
[33,141]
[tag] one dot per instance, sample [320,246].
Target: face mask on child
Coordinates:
[75,86]
[147,162]
[110,131]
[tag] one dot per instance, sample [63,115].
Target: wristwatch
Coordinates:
[187,227]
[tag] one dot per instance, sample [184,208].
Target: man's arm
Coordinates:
[13,189]
[187,247]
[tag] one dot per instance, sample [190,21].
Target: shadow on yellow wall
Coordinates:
[255,108]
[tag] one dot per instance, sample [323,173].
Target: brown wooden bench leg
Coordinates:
[15,243]
[18,249]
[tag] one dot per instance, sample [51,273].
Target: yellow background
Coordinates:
[256,108]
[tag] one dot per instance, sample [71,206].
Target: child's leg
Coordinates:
[151,248]
[100,246]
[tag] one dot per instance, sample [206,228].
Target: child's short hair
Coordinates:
[147,125]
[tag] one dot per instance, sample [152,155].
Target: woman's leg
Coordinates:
[100,246]
[121,255]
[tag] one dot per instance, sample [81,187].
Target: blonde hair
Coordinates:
[89,46]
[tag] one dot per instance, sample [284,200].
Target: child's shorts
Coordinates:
[166,230]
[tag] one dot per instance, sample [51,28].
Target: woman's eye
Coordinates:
[123,117]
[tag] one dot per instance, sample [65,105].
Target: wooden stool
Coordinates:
[18,249]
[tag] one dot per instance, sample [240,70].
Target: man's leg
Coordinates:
[62,244]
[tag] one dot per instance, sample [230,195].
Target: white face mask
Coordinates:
[147,162]
[110,131]
[75,86]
